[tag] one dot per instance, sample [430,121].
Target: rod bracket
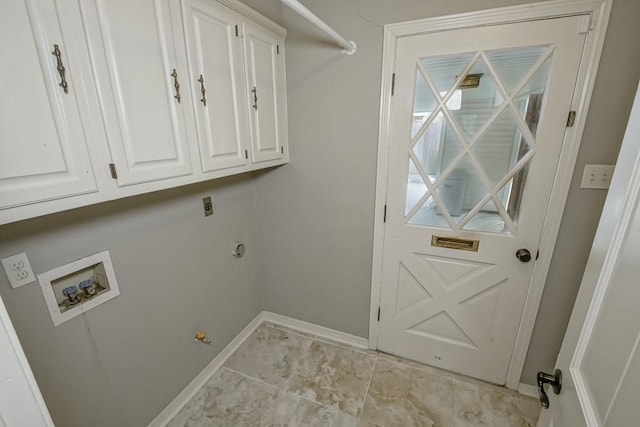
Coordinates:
[352,49]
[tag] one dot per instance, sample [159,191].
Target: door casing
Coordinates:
[596,14]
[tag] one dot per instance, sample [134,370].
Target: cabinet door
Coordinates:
[138,78]
[216,74]
[266,90]
[43,153]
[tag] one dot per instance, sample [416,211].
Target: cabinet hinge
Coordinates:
[236,31]
[246,154]
[281,150]
[384,219]
[393,83]
[571,118]
[277,49]
[378,313]
[112,169]
[538,254]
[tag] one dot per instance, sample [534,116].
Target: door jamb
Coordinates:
[599,10]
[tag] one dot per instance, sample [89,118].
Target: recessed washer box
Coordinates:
[96,268]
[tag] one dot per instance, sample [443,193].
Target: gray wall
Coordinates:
[122,362]
[315,217]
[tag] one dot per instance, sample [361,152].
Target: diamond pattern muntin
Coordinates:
[497,147]
[444,69]
[424,103]
[451,149]
[429,144]
[529,99]
[416,188]
[512,65]
[467,150]
[488,219]
[427,215]
[479,104]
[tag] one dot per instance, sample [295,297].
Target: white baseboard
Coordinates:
[528,390]
[317,330]
[200,380]
[185,395]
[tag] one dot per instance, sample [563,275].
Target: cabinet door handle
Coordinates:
[60,66]
[174,74]
[255,98]
[203,90]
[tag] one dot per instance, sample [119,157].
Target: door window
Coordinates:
[473,136]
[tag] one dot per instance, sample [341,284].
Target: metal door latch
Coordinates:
[554,380]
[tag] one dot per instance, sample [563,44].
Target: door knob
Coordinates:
[554,380]
[523,255]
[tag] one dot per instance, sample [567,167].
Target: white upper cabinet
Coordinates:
[43,152]
[141,86]
[144,95]
[216,75]
[264,61]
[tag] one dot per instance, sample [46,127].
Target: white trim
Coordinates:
[201,379]
[502,15]
[600,10]
[317,330]
[256,17]
[528,390]
[28,402]
[172,409]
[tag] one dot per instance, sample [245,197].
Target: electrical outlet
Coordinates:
[597,176]
[18,270]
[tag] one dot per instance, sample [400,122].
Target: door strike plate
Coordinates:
[207,205]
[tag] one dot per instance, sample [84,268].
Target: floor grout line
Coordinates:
[366,393]
[250,377]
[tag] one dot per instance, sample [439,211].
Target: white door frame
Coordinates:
[597,26]
[22,402]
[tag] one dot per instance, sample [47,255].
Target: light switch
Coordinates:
[597,176]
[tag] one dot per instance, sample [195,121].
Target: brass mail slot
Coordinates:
[455,243]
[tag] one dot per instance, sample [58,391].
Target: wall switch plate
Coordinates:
[18,270]
[207,205]
[597,176]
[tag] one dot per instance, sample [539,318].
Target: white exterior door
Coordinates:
[141,86]
[477,124]
[600,355]
[266,92]
[216,73]
[43,154]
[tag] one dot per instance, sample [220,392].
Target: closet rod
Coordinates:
[348,46]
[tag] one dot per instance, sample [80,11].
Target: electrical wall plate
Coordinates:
[18,270]
[597,176]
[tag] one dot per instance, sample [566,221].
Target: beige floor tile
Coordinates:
[269,354]
[512,409]
[471,405]
[333,376]
[228,399]
[403,396]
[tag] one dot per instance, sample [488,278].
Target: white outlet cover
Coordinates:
[597,177]
[18,270]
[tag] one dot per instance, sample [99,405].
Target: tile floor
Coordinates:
[280,377]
